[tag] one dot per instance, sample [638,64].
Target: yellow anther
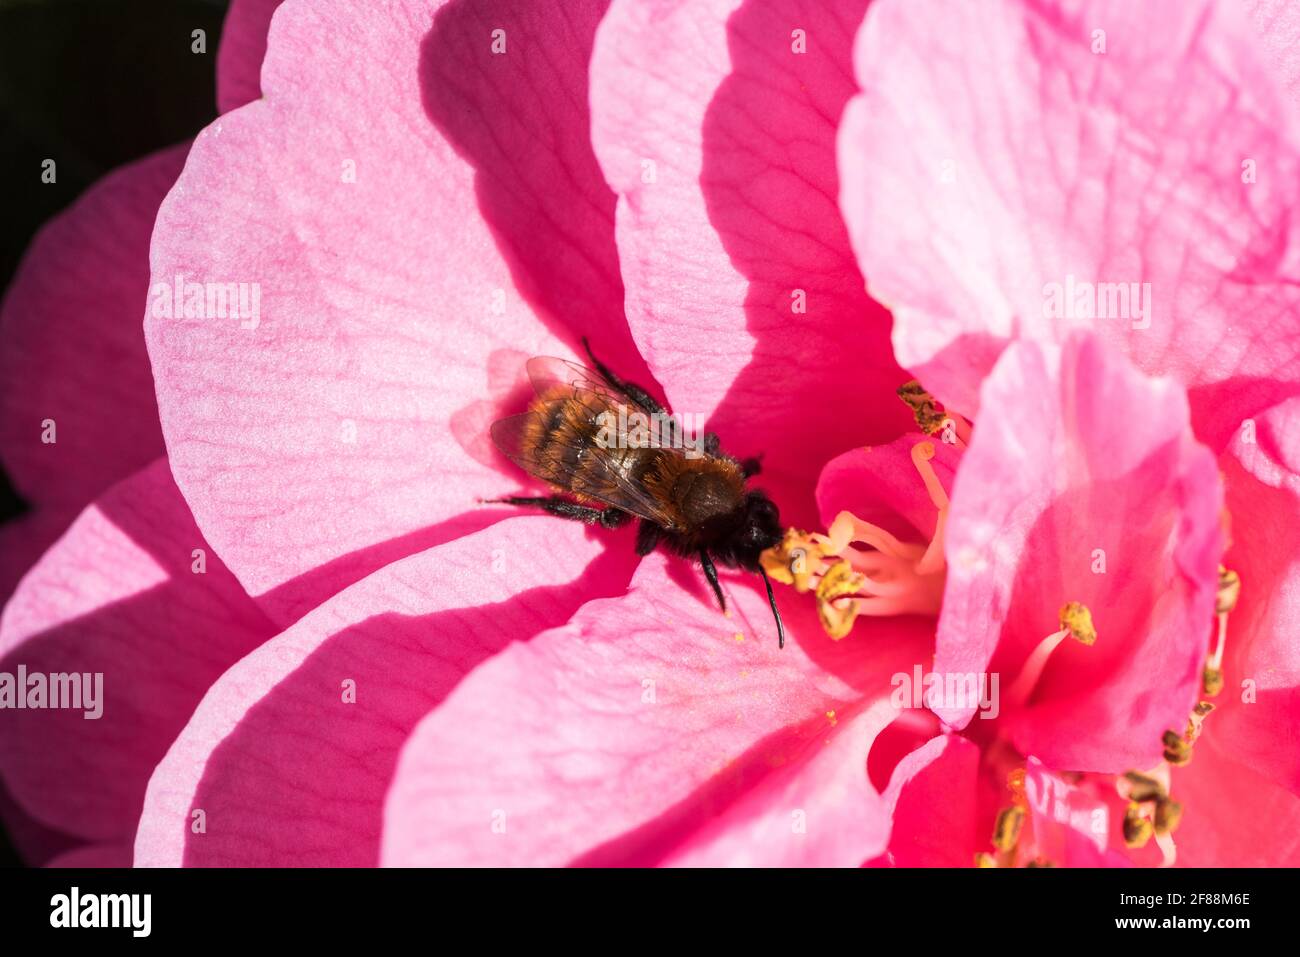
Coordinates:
[1202,709]
[1006,831]
[1040,862]
[1177,751]
[795,561]
[1225,600]
[985,859]
[1212,681]
[1143,787]
[1168,814]
[1016,785]
[1077,620]
[1137,826]
[925,410]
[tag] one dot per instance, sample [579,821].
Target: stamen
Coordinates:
[1137,826]
[892,578]
[1177,751]
[1076,622]
[1225,600]
[932,560]
[1006,831]
[929,419]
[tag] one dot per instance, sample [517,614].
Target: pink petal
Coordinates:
[740,132]
[243,46]
[349,427]
[820,810]
[1078,459]
[1232,815]
[879,484]
[73,352]
[95,856]
[117,595]
[285,770]
[1259,709]
[1000,154]
[620,737]
[932,797]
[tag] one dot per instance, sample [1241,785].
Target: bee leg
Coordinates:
[712,444]
[556,505]
[647,537]
[711,574]
[634,392]
[751,466]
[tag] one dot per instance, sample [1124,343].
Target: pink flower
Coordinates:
[1153,149]
[425,199]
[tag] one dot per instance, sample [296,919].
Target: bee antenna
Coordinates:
[776,612]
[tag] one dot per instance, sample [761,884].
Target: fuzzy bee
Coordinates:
[614,453]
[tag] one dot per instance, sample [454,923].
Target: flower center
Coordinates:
[885,577]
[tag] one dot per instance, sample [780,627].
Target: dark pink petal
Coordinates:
[346,425]
[1082,483]
[73,353]
[621,737]
[932,796]
[879,484]
[719,139]
[285,769]
[243,45]
[1258,712]
[1005,152]
[94,855]
[1232,816]
[117,595]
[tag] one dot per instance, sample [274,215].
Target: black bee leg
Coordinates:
[634,392]
[711,574]
[751,466]
[557,505]
[647,537]
[712,444]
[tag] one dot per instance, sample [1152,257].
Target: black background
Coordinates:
[92,84]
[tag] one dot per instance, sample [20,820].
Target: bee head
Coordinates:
[760,529]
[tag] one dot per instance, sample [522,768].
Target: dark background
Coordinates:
[91,84]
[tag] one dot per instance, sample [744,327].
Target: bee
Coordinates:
[613,453]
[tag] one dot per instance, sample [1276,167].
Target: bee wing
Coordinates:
[576,465]
[548,372]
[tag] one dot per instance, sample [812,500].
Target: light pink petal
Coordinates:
[285,769]
[619,737]
[118,595]
[932,796]
[719,139]
[880,484]
[243,46]
[1082,483]
[73,354]
[1258,712]
[1068,825]
[817,811]
[1278,24]
[988,159]
[347,425]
